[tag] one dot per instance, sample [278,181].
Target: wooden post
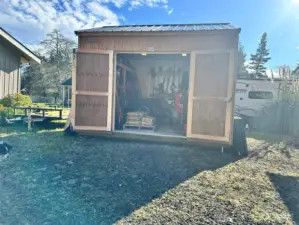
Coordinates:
[68,97]
[62,96]
[29,122]
[43,113]
[124,83]
[60,114]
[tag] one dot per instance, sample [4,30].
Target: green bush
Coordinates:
[6,112]
[16,100]
[282,115]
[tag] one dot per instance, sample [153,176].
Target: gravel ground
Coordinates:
[55,179]
[51,178]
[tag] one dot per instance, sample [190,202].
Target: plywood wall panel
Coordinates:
[210,106]
[209,117]
[92,72]
[91,110]
[211,75]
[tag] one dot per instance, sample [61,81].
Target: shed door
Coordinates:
[93,103]
[211,101]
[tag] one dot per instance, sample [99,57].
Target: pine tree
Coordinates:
[259,59]
[295,72]
[242,68]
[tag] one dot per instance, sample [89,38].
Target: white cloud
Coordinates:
[117,3]
[297,47]
[102,13]
[135,4]
[170,11]
[30,20]
[150,3]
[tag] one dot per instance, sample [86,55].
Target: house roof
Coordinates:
[27,54]
[67,82]
[163,28]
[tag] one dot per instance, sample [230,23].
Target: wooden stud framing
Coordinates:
[114,90]
[74,73]
[190,96]
[110,92]
[126,67]
[229,123]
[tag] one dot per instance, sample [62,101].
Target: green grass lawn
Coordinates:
[52,178]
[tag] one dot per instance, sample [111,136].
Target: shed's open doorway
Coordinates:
[152,94]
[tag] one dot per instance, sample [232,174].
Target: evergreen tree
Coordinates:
[295,72]
[242,68]
[259,59]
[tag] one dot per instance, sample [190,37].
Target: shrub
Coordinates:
[1,108]
[282,115]
[5,112]
[16,100]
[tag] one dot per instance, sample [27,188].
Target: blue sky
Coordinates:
[30,20]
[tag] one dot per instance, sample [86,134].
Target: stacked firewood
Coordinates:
[139,119]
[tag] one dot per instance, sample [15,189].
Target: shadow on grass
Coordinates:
[21,127]
[288,189]
[56,179]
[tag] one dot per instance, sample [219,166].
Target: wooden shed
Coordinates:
[174,81]
[12,54]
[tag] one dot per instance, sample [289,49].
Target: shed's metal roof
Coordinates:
[163,28]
